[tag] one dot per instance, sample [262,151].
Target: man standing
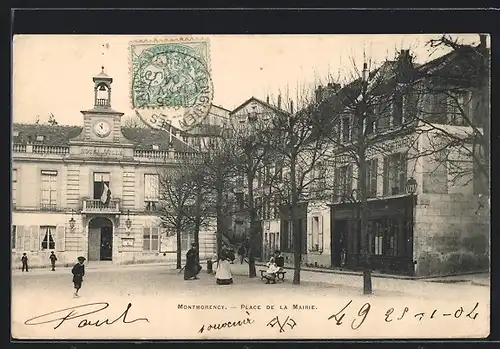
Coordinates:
[24,260]
[53,260]
[78,273]
[192,267]
[242,252]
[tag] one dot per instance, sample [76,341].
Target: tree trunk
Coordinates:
[252,248]
[365,233]
[295,217]
[197,222]
[220,215]
[179,247]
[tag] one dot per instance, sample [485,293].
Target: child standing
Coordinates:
[24,260]
[78,273]
[53,260]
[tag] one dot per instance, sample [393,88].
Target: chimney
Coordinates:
[365,72]
[267,99]
[279,101]
[291,107]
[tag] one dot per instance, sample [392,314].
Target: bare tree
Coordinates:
[133,122]
[297,149]
[455,113]
[253,153]
[177,198]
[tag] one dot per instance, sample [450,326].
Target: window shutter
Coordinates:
[373,177]
[146,239]
[19,237]
[154,238]
[310,240]
[320,233]
[349,180]
[386,176]
[60,238]
[35,238]
[402,173]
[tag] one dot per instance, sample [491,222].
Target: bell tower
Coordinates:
[102,124]
[102,90]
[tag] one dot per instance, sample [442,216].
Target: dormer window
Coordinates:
[156,147]
[15,134]
[40,138]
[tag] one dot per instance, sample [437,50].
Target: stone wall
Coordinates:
[449,236]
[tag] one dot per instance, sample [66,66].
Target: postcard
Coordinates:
[239,187]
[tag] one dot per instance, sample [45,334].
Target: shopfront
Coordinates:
[390,235]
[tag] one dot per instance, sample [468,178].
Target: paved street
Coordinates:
[160,289]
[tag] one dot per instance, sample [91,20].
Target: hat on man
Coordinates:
[81,259]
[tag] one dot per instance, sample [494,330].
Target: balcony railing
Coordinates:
[47,149]
[19,148]
[40,149]
[97,206]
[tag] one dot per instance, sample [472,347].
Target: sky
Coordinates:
[53,73]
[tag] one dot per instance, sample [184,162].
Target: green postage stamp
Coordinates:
[170,82]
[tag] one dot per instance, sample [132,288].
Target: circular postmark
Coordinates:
[171,84]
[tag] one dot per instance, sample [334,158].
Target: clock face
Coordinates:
[102,128]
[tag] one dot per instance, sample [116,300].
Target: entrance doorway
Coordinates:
[100,239]
[339,243]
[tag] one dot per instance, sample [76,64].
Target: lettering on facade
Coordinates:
[102,152]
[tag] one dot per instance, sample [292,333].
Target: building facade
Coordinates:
[93,190]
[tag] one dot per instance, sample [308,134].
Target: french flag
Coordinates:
[106,194]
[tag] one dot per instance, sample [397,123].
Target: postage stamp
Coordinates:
[171,82]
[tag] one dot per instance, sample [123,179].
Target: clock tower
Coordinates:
[102,124]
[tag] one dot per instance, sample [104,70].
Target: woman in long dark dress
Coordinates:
[192,267]
[223,274]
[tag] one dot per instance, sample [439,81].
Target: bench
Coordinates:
[280,275]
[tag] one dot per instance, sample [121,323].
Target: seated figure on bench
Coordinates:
[274,266]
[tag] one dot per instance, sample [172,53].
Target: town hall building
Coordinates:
[93,190]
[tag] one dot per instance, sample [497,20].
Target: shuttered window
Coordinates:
[48,235]
[48,190]
[316,234]
[151,187]
[14,187]
[13,237]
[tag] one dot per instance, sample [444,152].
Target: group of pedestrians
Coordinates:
[223,274]
[24,261]
[78,269]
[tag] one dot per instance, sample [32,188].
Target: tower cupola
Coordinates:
[102,90]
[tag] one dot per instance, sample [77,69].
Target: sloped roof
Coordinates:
[54,135]
[270,106]
[60,135]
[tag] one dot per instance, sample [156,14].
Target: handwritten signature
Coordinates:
[72,313]
[281,325]
[364,310]
[227,324]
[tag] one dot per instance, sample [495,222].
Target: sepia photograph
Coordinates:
[250,187]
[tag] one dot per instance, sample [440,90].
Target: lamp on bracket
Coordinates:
[128,223]
[72,221]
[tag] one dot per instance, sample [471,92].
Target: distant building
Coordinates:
[93,190]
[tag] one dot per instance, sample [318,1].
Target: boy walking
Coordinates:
[78,273]
[53,260]
[24,260]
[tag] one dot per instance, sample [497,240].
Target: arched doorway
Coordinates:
[100,239]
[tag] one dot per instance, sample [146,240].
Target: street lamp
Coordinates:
[72,221]
[411,186]
[128,222]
